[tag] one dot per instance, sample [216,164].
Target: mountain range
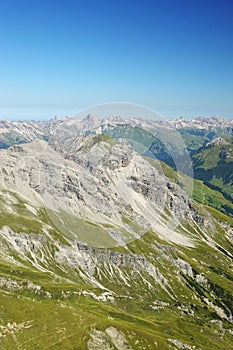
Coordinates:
[108,241]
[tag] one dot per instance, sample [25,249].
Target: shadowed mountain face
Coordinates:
[103,248]
[214,164]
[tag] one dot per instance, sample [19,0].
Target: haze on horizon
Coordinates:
[175,57]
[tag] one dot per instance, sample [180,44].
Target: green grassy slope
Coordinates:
[214,166]
[200,191]
[47,304]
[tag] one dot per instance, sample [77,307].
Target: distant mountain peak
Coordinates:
[218,141]
[91,117]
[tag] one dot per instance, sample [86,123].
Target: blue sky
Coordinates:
[58,57]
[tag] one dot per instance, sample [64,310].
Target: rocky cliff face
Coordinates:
[106,183]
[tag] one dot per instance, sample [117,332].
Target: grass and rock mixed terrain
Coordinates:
[91,269]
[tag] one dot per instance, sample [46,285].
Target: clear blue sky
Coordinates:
[60,56]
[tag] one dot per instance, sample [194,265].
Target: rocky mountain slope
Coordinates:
[101,248]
